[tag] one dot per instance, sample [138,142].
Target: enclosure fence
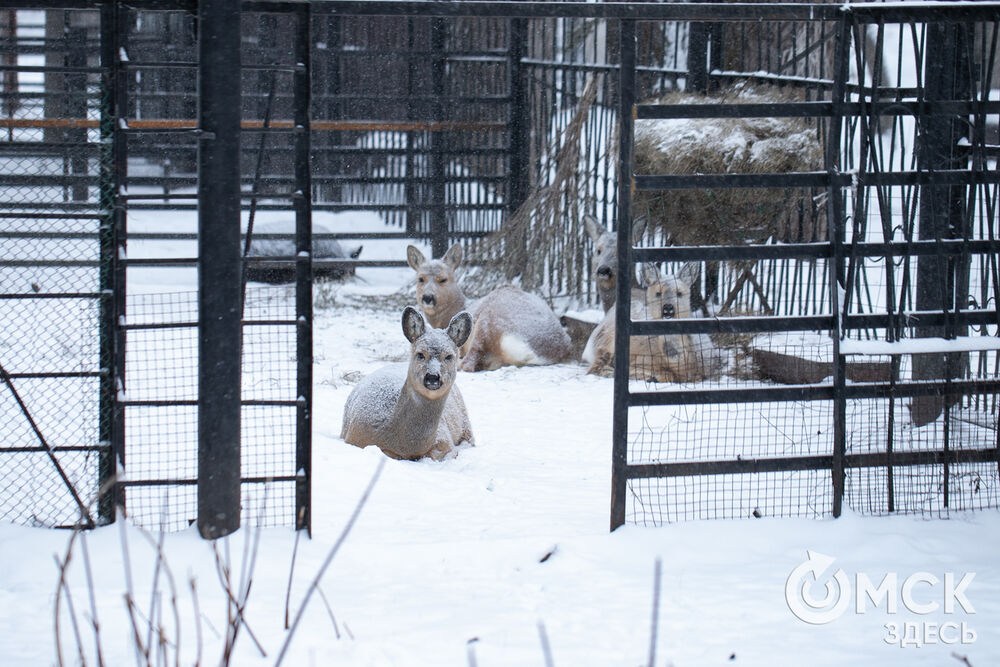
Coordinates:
[833,180]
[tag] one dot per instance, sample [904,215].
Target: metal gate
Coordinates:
[866,377]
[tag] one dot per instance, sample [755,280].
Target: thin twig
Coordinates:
[234,614]
[93,600]
[329,610]
[470,651]
[543,637]
[329,558]
[654,630]
[291,572]
[197,619]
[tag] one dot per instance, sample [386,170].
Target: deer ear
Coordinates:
[413,324]
[688,273]
[453,257]
[459,328]
[414,257]
[638,229]
[593,227]
[648,274]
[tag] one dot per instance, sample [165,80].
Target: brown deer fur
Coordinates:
[510,327]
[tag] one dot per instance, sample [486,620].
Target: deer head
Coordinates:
[434,352]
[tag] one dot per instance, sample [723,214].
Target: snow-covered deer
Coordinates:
[412,410]
[665,358]
[510,327]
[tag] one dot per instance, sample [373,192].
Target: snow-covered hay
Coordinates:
[736,146]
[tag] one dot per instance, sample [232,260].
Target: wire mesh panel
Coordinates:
[53,353]
[161,411]
[858,359]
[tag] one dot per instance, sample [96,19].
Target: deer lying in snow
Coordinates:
[668,358]
[414,410]
[510,327]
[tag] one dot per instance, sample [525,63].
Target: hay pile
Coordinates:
[724,145]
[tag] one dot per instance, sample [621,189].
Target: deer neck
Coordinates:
[412,430]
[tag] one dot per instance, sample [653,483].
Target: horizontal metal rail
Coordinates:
[821,462]
[809,392]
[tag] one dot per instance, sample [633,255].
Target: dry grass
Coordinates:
[540,246]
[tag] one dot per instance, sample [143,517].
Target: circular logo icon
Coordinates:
[827,607]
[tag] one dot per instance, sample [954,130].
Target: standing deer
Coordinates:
[667,358]
[510,327]
[414,410]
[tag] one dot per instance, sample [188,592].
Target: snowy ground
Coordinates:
[462,562]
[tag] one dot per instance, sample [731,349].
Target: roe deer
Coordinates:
[510,327]
[605,260]
[414,410]
[667,358]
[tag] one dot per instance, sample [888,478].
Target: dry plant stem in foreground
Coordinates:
[329,559]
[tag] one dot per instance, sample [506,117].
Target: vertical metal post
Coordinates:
[835,231]
[303,273]
[519,175]
[219,298]
[111,420]
[439,220]
[626,123]
[76,107]
[942,282]
[697,58]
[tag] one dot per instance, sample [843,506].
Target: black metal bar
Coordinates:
[685,11]
[303,275]
[746,324]
[697,58]
[114,152]
[941,282]
[219,270]
[437,185]
[836,231]
[825,391]
[817,462]
[518,110]
[619,428]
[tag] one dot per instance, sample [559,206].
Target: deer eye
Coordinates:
[442,280]
[449,357]
[680,294]
[659,294]
[599,251]
[420,356]
[421,280]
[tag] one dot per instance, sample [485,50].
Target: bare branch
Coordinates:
[329,558]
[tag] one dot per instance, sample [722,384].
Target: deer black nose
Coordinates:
[432,381]
[428,299]
[668,310]
[604,272]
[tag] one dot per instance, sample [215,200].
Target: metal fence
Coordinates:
[860,370]
[498,124]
